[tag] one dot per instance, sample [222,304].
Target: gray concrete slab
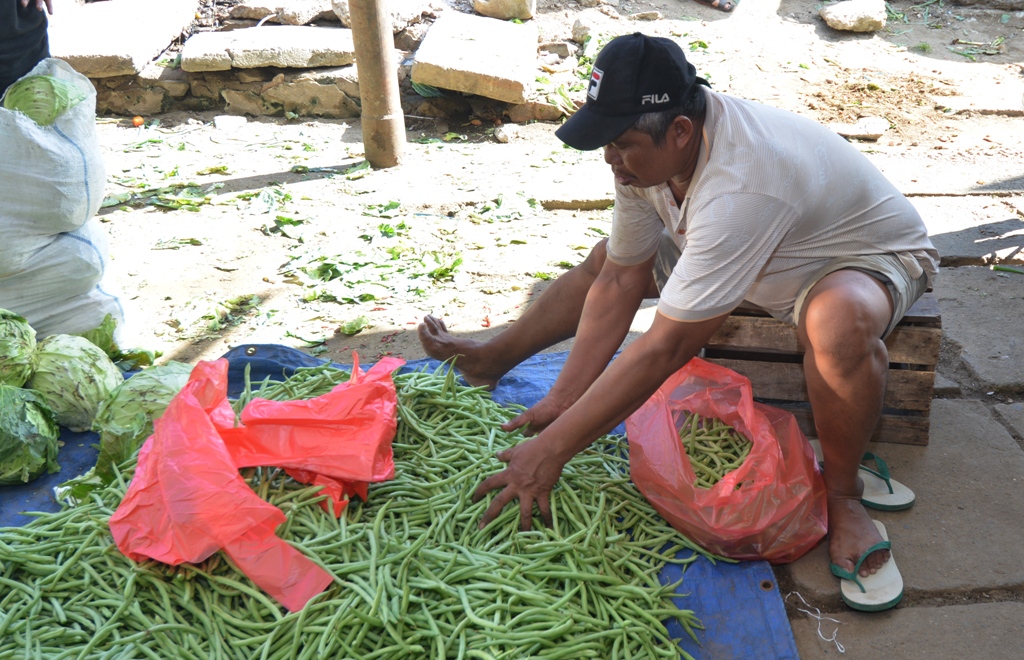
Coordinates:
[946,387]
[981,313]
[288,46]
[1012,415]
[925,171]
[984,630]
[963,535]
[478,55]
[117,37]
[973,230]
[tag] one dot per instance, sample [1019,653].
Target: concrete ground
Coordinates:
[961,547]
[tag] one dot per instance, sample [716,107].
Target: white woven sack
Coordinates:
[60,288]
[51,177]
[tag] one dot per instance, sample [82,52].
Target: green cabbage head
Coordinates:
[75,377]
[17,342]
[125,419]
[28,436]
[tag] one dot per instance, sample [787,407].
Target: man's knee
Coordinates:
[595,260]
[845,316]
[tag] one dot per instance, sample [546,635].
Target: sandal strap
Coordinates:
[852,575]
[882,472]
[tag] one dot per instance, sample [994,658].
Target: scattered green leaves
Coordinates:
[214,169]
[175,243]
[355,326]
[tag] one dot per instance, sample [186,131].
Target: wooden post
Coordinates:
[382,119]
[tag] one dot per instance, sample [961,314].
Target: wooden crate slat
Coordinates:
[898,429]
[924,311]
[906,344]
[905,390]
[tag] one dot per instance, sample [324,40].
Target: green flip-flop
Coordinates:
[877,592]
[881,491]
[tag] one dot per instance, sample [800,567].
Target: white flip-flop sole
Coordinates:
[882,590]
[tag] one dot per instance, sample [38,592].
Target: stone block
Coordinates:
[239,102]
[855,15]
[286,46]
[175,81]
[288,12]
[130,100]
[506,9]
[309,97]
[533,111]
[478,55]
[210,85]
[403,13]
[117,37]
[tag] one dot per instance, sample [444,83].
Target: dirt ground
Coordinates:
[273,231]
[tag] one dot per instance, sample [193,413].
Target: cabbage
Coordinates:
[17,341]
[43,98]
[125,419]
[28,436]
[74,376]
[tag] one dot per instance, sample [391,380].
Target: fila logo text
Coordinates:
[654,98]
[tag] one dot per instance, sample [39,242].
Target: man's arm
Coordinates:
[611,304]
[535,465]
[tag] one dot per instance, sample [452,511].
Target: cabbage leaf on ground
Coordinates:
[17,343]
[28,436]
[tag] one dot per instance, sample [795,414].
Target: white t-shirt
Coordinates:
[774,197]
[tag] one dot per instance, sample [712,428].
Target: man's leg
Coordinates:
[552,318]
[846,364]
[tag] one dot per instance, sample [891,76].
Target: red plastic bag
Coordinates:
[187,500]
[345,434]
[779,511]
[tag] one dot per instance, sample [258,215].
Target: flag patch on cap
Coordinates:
[595,83]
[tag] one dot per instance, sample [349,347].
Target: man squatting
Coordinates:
[718,200]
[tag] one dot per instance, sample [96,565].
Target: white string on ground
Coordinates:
[818,615]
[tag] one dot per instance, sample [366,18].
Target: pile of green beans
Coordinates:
[714,448]
[414,577]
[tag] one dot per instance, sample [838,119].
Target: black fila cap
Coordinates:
[633,74]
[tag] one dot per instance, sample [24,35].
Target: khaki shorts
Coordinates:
[901,274]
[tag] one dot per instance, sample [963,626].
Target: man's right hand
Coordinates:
[538,417]
[40,4]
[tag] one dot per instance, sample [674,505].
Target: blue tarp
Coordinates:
[739,604]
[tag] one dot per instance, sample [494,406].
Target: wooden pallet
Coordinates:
[768,352]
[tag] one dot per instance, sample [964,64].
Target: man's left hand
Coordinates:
[531,474]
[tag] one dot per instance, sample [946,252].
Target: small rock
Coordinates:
[506,9]
[581,30]
[229,122]
[506,132]
[411,37]
[533,111]
[646,16]
[866,128]
[560,48]
[855,15]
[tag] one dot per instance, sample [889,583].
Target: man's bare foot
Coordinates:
[471,360]
[850,533]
